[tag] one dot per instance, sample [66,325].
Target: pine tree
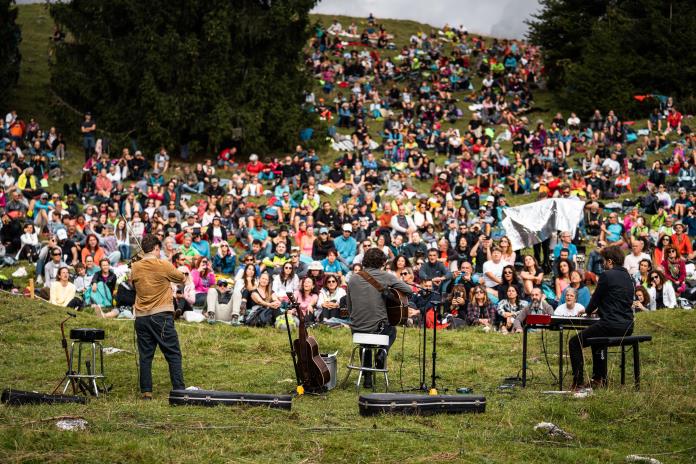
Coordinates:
[633,47]
[10,37]
[190,71]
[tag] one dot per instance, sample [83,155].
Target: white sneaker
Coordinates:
[21,272]
[39,280]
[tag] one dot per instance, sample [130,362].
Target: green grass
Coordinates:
[659,420]
[609,425]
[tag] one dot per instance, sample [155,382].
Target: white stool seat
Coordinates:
[370,339]
[375,345]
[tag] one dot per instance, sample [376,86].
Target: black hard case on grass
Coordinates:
[19,397]
[396,403]
[214,398]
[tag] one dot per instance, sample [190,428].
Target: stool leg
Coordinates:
[623,365]
[360,371]
[386,377]
[373,365]
[348,369]
[79,358]
[101,365]
[94,370]
[636,365]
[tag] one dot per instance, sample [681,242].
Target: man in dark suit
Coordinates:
[613,299]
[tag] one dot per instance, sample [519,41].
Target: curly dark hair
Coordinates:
[374,258]
[149,243]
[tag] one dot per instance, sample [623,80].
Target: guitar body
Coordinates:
[397,307]
[311,368]
[315,372]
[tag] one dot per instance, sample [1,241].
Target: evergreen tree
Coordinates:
[562,27]
[191,71]
[10,58]
[635,47]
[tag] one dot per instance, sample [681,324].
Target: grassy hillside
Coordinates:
[660,420]
[607,426]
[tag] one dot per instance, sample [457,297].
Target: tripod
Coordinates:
[67,379]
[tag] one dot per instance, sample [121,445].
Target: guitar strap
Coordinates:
[372,281]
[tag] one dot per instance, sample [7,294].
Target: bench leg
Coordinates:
[623,365]
[636,365]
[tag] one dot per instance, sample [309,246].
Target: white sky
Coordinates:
[500,18]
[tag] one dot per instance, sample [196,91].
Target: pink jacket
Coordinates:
[202,283]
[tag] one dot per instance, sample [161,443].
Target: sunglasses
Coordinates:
[478,291]
[404,273]
[55,254]
[331,281]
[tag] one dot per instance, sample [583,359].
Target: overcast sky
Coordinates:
[500,18]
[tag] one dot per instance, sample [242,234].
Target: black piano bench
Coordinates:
[631,340]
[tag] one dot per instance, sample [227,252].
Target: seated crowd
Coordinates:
[248,233]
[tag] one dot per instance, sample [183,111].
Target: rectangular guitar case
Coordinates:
[214,398]
[411,404]
[19,397]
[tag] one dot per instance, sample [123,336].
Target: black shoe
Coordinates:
[367,382]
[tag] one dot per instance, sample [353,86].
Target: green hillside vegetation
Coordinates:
[659,420]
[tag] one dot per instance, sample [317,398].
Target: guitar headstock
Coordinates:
[292,299]
[294,304]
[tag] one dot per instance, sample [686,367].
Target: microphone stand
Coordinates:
[437,309]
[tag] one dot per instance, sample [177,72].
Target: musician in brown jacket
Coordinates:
[368,312]
[154,314]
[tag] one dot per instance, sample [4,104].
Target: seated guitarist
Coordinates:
[368,312]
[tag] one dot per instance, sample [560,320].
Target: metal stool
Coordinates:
[375,344]
[91,339]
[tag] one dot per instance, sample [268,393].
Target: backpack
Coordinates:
[259,317]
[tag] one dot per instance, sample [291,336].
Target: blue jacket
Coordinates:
[346,247]
[224,265]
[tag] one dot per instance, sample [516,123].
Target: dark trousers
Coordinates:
[153,331]
[389,330]
[543,248]
[599,355]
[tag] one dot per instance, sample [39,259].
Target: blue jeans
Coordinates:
[197,189]
[125,251]
[153,331]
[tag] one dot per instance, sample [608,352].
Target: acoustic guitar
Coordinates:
[310,367]
[395,301]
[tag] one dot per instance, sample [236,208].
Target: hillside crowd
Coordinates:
[247,230]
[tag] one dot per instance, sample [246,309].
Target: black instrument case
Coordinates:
[214,398]
[19,397]
[394,403]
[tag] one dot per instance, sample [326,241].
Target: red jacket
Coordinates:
[254,168]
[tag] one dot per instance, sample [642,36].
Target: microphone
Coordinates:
[71,314]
